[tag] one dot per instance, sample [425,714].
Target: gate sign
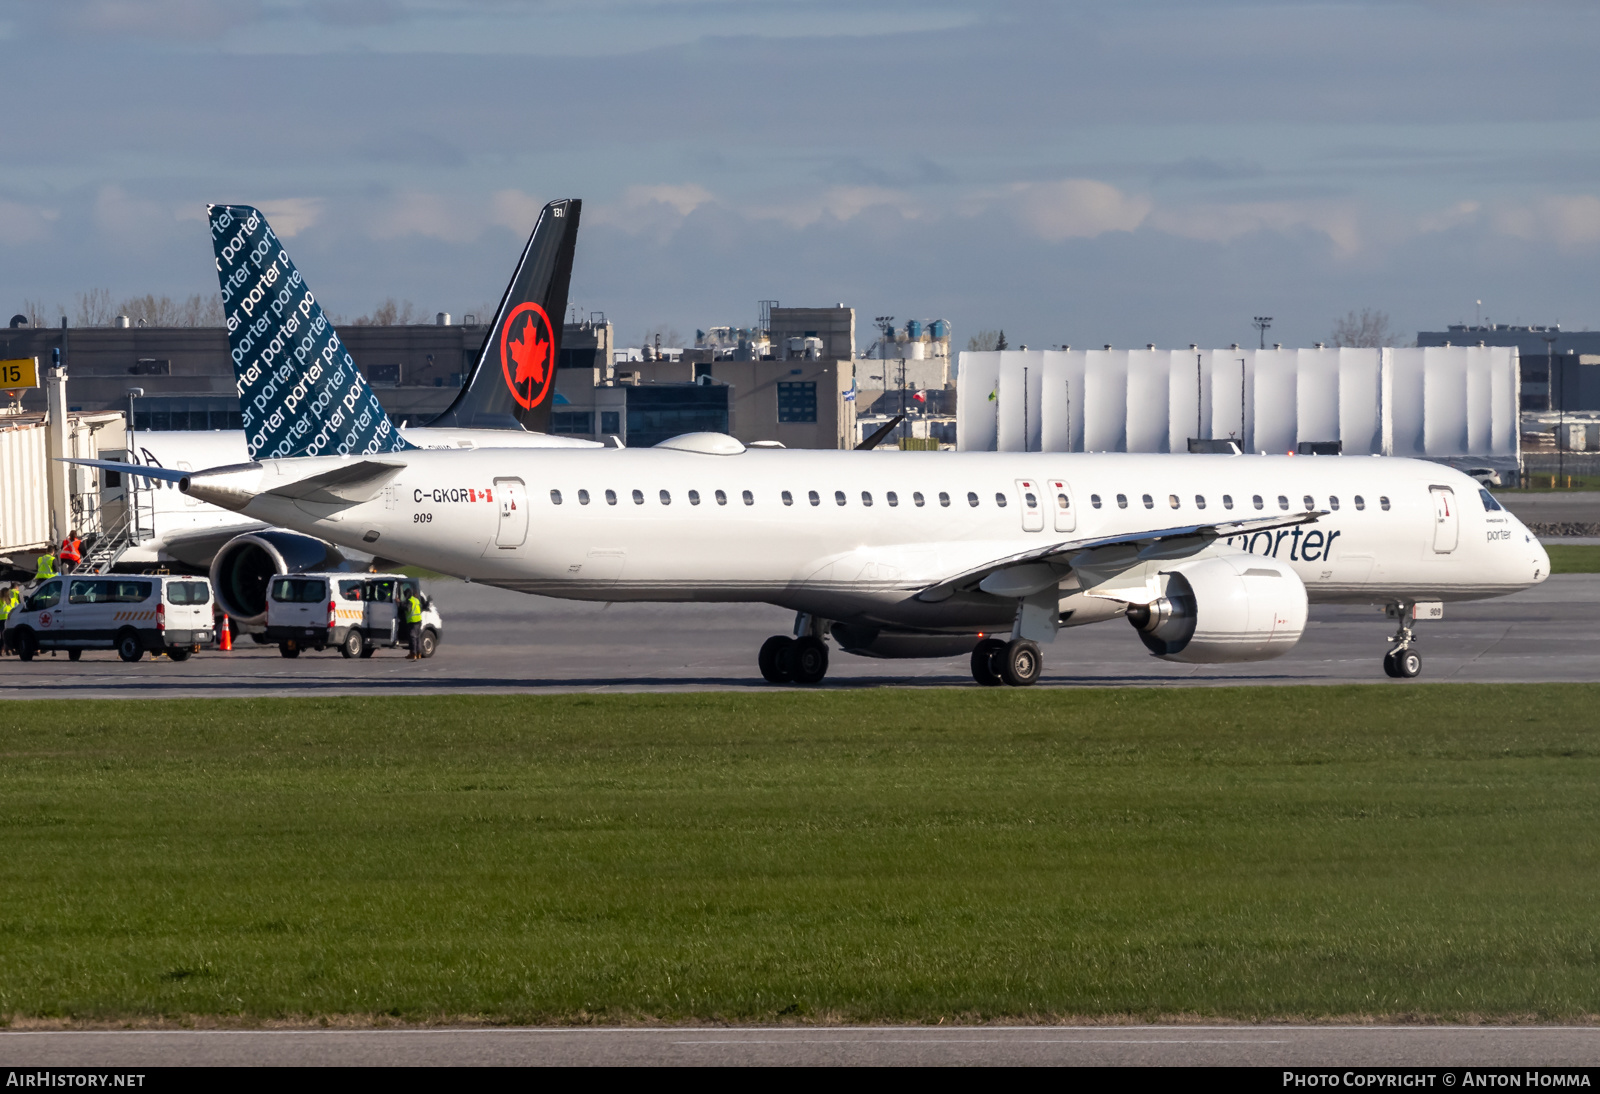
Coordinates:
[19,373]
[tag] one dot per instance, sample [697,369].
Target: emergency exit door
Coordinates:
[1058,496]
[513,498]
[1446,527]
[1032,507]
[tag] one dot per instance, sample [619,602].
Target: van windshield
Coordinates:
[188,592]
[48,596]
[298,590]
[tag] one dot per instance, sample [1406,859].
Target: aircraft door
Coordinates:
[513,497]
[1446,526]
[1032,505]
[1058,496]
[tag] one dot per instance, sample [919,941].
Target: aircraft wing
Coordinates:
[1028,572]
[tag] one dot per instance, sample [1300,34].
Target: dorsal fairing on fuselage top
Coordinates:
[300,393]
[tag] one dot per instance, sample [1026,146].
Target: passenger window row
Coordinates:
[891,498]
[1173,501]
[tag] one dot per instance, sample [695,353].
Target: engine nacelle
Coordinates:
[1227,608]
[243,567]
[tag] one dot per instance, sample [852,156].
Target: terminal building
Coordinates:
[1560,368]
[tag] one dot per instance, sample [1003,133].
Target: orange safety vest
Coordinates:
[71,550]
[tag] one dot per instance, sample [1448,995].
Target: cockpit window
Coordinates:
[1489,504]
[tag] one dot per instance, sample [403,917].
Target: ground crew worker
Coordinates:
[46,568]
[10,600]
[413,606]
[71,552]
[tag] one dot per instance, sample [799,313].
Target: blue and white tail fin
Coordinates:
[299,391]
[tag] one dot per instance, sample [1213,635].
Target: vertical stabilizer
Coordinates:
[299,391]
[513,385]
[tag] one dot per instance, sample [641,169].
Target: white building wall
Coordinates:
[1436,402]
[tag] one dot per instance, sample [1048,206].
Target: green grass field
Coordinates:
[1427,851]
[1573,559]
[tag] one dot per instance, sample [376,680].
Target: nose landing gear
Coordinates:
[1402,661]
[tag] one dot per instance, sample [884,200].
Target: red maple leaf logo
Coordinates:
[528,362]
[530,353]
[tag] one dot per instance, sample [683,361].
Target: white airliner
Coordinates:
[1211,558]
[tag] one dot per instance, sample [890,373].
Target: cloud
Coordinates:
[515,210]
[658,211]
[434,216]
[119,214]
[1567,220]
[839,203]
[1462,212]
[1076,209]
[20,223]
[202,20]
[291,216]
[1222,223]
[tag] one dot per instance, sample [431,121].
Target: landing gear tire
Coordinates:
[985,662]
[1020,663]
[129,648]
[1403,664]
[807,660]
[288,649]
[774,660]
[74,655]
[353,643]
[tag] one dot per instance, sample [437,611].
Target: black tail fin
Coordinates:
[513,384]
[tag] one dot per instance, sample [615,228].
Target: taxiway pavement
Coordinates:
[1443,1047]
[501,642]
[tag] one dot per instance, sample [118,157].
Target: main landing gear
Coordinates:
[1402,662]
[996,661]
[802,660]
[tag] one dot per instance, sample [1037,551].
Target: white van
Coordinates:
[354,613]
[130,614]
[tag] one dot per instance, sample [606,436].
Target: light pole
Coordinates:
[1561,406]
[1262,323]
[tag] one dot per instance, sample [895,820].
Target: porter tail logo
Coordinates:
[299,391]
[525,362]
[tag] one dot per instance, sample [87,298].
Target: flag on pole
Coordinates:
[850,396]
[920,396]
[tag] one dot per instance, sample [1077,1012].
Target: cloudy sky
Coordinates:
[1078,173]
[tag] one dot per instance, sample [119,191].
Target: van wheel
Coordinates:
[430,642]
[288,649]
[74,655]
[25,645]
[129,648]
[353,645]
[176,653]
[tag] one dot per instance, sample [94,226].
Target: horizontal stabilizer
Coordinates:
[165,474]
[348,485]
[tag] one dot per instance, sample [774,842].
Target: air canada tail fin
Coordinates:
[299,391]
[513,384]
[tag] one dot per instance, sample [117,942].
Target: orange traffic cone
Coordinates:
[227,635]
